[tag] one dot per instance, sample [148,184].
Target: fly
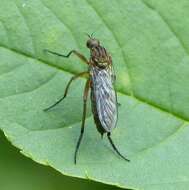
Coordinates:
[100,80]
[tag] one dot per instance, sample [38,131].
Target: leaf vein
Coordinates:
[61,21]
[28,27]
[168,25]
[118,43]
[6,31]
[11,70]
[33,89]
[40,61]
[162,142]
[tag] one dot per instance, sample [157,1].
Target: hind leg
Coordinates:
[114,147]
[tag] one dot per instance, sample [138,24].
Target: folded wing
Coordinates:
[105,97]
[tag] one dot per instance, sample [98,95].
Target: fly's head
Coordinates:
[99,55]
[92,43]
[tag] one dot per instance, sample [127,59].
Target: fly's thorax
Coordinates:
[100,57]
[104,73]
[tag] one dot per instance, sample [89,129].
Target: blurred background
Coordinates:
[20,173]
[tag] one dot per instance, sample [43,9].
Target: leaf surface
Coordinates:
[149,43]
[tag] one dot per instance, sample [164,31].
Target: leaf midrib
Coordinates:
[71,72]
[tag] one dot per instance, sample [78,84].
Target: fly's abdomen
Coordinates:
[99,126]
[103,98]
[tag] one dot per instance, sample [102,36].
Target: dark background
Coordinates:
[20,173]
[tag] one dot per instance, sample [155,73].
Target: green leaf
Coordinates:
[26,174]
[149,44]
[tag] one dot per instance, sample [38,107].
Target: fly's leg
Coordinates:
[118,104]
[86,91]
[114,147]
[66,90]
[82,57]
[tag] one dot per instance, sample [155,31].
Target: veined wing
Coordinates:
[105,96]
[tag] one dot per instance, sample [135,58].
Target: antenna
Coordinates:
[90,36]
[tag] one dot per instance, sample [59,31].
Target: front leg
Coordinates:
[82,57]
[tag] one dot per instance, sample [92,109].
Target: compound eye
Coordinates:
[88,44]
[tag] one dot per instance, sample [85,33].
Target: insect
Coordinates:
[100,80]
